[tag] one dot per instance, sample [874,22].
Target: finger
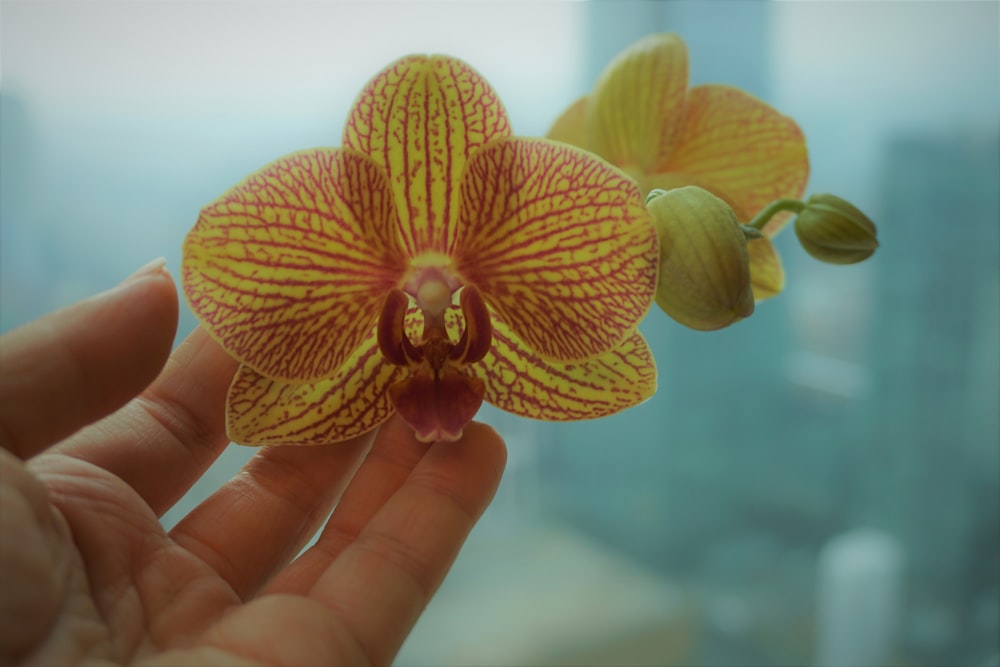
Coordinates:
[78,364]
[392,458]
[258,522]
[381,582]
[165,439]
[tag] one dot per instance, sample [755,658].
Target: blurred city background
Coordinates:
[819,484]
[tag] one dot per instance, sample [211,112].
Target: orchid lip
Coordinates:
[438,394]
[393,342]
[435,347]
[477,337]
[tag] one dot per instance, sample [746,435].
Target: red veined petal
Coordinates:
[288,269]
[520,382]
[637,108]
[741,150]
[559,243]
[421,118]
[261,411]
[437,408]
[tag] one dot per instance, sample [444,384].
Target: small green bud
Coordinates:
[832,230]
[704,280]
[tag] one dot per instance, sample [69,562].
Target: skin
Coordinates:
[103,430]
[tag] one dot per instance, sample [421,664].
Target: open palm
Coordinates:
[87,572]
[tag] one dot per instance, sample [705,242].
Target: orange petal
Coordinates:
[420,118]
[519,382]
[559,243]
[767,277]
[741,150]
[637,108]
[288,269]
[261,411]
[570,127]
[437,408]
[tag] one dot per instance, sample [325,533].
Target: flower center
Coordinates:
[435,349]
[433,298]
[438,395]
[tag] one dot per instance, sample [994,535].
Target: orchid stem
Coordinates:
[773,208]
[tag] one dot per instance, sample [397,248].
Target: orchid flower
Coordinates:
[643,117]
[429,263]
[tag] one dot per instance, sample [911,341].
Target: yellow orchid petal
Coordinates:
[559,244]
[571,127]
[289,268]
[767,277]
[520,382]
[637,109]
[741,150]
[420,118]
[261,411]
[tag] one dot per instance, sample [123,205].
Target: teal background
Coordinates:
[698,528]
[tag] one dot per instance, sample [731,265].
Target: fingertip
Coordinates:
[381,580]
[144,310]
[491,445]
[153,288]
[78,364]
[467,470]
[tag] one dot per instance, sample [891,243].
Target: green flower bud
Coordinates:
[704,280]
[832,230]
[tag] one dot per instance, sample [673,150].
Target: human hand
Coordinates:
[87,572]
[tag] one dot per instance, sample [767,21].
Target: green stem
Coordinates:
[769,211]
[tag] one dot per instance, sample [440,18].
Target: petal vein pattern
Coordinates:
[420,119]
[737,145]
[288,269]
[560,245]
[638,103]
[261,411]
[519,382]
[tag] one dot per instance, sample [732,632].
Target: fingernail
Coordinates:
[158,265]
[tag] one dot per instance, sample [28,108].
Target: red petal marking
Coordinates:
[261,411]
[477,335]
[438,408]
[288,269]
[420,119]
[518,381]
[559,243]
